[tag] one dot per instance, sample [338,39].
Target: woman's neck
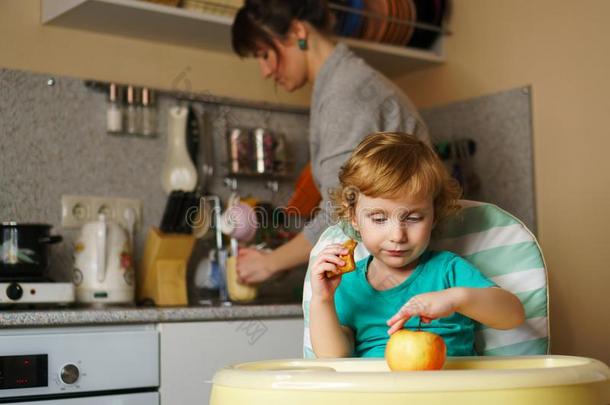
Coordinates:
[319,50]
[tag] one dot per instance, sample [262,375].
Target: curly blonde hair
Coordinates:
[390,164]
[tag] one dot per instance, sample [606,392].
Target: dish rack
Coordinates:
[411,23]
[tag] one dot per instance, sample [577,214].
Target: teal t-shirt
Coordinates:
[366,310]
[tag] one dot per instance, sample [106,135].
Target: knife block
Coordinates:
[162,274]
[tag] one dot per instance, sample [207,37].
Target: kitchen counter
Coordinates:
[132,315]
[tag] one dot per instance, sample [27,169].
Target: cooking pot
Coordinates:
[23,250]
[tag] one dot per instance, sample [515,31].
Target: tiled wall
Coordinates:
[53,141]
[501,126]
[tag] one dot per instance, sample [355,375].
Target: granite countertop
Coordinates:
[131,315]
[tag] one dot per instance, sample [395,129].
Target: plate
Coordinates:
[352,21]
[374,29]
[410,15]
[400,28]
[391,31]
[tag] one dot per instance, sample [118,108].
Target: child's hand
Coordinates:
[322,287]
[427,306]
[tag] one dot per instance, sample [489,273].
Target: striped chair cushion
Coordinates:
[504,250]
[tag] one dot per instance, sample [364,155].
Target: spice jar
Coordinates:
[148,116]
[132,124]
[114,110]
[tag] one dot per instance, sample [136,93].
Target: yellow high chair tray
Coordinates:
[539,380]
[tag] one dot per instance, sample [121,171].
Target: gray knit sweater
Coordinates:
[350,100]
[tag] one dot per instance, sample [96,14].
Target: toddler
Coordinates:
[393,191]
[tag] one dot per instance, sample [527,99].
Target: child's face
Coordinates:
[395,231]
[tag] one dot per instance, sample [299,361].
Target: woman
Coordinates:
[292,41]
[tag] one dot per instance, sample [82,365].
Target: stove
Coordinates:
[36,293]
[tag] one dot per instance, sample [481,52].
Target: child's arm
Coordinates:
[328,337]
[492,306]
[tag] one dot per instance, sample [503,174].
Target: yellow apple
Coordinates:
[415,350]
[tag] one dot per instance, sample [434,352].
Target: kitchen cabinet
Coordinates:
[191,352]
[182,27]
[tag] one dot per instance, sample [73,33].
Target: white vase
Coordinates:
[179,172]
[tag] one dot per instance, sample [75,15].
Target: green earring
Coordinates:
[303,44]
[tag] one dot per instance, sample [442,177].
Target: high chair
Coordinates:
[503,249]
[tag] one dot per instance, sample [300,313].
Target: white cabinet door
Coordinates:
[192,352]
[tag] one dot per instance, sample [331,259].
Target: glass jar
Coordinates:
[148,113]
[132,124]
[114,110]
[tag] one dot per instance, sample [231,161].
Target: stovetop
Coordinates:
[41,291]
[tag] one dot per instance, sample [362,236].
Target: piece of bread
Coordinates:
[350,264]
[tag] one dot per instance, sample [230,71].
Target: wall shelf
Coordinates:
[153,22]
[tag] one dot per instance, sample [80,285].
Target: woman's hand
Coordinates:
[428,306]
[252,266]
[322,287]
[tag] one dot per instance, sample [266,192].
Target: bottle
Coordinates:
[114,110]
[179,172]
[148,113]
[206,278]
[131,112]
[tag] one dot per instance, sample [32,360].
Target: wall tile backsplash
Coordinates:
[53,141]
[501,126]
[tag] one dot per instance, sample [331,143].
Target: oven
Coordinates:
[97,365]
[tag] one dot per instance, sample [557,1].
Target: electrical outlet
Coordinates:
[76,210]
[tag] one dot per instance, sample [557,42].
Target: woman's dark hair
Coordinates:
[260,21]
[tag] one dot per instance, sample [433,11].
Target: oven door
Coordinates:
[144,398]
[92,365]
